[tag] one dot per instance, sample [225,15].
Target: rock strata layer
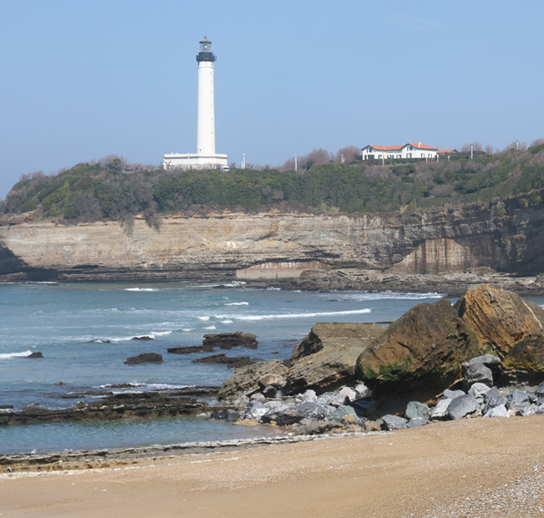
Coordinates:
[506,236]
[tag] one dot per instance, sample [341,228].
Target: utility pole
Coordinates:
[471,151]
[296,163]
[243,164]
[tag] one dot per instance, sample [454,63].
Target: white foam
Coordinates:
[8,356]
[210,327]
[204,319]
[131,337]
[272,288]
[138,388]
[389,295]
[302,315]
[234,284]
[237,304]
[188,330]
[226,321]
[140,289]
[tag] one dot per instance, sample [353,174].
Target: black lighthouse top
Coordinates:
[205,53]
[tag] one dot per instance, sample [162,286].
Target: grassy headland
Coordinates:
[87,193]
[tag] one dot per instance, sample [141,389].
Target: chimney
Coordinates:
[419,144]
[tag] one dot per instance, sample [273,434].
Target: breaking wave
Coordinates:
[8,356]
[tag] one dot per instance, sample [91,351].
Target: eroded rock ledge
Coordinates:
[271,246]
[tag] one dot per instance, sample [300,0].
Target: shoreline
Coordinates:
[341,279]
[106,457]
[470,467]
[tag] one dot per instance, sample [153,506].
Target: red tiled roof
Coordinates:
[398,148]
[386,148]
[422,146]
[442,151]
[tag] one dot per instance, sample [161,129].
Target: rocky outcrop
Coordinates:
[230,340]
[500,319]
[144,358]
[326,357]
[324,360]
[191,349]
[218,245]
[425,347]
[121,406]
[232,362]
[245,381]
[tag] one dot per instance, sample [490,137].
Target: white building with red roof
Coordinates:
[410,150]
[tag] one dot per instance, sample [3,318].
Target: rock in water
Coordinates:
[35,355]
[144,358]
[192,349]
[233,362]
[425,346]
[230,340]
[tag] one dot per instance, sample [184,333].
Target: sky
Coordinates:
[80,80]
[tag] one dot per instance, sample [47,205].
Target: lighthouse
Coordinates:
[205,157]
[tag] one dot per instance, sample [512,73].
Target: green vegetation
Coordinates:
[93,192]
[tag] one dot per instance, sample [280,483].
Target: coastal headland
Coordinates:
[446,250]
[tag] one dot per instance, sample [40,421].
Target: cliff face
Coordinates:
[505,236]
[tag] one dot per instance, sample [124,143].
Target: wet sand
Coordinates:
[473,467]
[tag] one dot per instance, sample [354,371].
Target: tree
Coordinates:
[350,154]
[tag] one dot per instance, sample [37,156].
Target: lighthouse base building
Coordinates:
[205,157]
[194,161]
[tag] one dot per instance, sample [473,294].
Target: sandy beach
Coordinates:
[472,467]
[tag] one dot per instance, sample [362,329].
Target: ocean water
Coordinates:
[85,333]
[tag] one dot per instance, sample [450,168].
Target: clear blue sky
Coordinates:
[83,79]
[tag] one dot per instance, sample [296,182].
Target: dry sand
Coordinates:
[468,468]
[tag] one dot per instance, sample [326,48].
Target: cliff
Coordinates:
[506,236]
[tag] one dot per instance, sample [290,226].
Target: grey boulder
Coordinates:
[517,399]
[493,399]
[452,394]
[440,411]
[498,411]
[416,409]
[393,422]
[486,359]
[476,373]
[343,411]
[478,391]
[462,406]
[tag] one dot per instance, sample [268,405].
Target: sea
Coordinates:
[86,332]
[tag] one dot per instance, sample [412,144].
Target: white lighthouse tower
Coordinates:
[205,157]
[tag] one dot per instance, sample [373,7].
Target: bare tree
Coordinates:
[476,146]
[537,142]
[350,153]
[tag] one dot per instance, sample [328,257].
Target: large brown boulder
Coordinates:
[500,319]
[327,356]
[508,326]
[424,348]
[245,381]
